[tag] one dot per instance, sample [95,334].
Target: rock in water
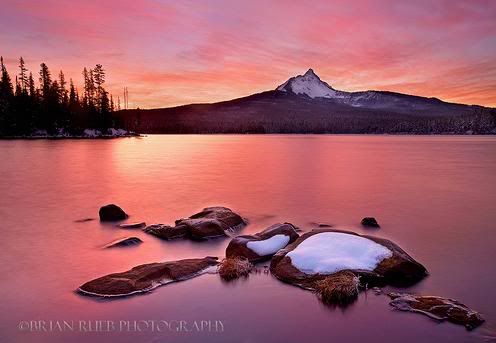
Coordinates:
[124,242]
[209,223]
[146,277]
[437,308]
[111,213]
[166,232]
[137,225]
[84,220]
[370,222]
[263,245]
[319,253]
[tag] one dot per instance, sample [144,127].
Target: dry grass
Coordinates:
[234,267]
[338,289]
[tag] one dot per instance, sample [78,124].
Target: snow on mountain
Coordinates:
[311,85]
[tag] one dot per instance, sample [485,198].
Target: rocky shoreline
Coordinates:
[84,134]
[334,264]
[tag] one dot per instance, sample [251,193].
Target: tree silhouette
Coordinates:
[23,75]
[51,106]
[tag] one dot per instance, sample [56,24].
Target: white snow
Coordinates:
[268,246]
[330,252]
[91,133]
[117,132]
[309,84]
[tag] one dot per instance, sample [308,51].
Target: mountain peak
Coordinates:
[308,84]
[310,72]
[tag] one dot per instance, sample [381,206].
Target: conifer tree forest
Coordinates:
[47,102]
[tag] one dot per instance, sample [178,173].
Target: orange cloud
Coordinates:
[170,53]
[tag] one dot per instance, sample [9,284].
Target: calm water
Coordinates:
[434,196]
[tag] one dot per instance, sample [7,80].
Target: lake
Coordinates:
[433,195]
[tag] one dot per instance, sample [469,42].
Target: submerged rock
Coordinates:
[146,277]
[112,212]
[322,252]
[84,220]
[234,267]
[137,225]
[437,308]
[209,223]
[124,242]
[263,245]
[370,222]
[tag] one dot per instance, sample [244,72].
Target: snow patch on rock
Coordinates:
[268,246]
[330,252]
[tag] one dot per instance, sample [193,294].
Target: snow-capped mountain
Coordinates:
[309,84]
[306,104]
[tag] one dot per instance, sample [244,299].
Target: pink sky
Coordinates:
[177,52]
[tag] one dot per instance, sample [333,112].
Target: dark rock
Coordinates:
[146,277]
[399,269]
[370,222]
[166,232]
[112,213]
[320,224]
[209,223]
[124,242]
[137,225]
[239,246]
[84,220]
[437,308]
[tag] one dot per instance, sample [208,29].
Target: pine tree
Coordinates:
[45,81]
[72,94]
[23,75]
[6,89]
[32,89]
[18,88]
[63,96]
[6,100]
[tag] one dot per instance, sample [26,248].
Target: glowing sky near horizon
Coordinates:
[178,52]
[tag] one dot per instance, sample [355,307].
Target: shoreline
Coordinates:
[141,135]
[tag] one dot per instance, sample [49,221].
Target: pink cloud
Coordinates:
[171,53]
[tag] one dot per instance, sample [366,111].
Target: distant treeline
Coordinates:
[272,112]
[53,105]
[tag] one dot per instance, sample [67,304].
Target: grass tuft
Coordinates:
[234,267]
[338,289]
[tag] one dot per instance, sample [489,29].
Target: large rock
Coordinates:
[376,261]
[111,213]
[146,277]
[437,308]
[209,223]
[263,245]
